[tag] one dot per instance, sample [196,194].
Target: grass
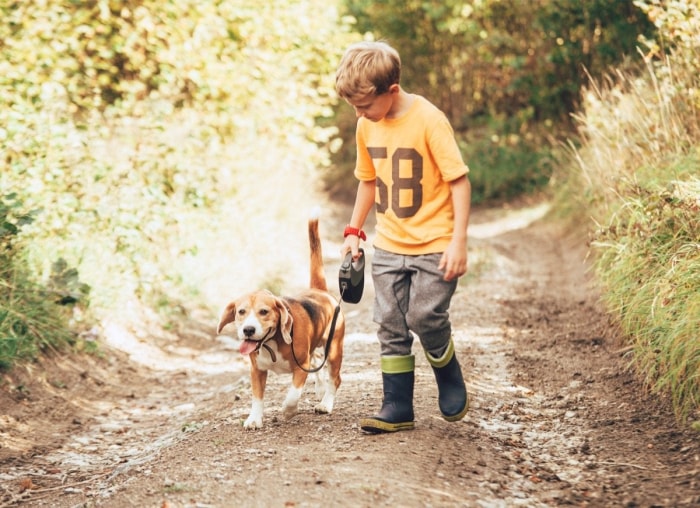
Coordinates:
[633,171]
[33,318]
[649,261]
[30,322]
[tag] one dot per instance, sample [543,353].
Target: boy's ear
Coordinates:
[394,88]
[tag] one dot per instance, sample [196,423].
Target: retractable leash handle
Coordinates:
[351,279]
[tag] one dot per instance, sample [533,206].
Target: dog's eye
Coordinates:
[241,312]
[264,312]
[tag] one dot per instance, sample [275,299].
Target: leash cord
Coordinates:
[328,342]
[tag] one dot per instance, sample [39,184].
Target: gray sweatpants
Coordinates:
[411,296]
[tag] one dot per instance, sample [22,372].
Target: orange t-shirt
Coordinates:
[413,158]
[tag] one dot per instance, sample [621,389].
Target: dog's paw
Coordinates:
[252,423]
[289,412]
[324,407]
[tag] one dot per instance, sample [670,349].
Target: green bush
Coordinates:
[505,168]
[32,318]
[649,262]
[147,132]
[634,171]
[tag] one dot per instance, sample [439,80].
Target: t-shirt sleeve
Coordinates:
[364,166]
[445,150]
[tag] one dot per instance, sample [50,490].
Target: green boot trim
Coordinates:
[453,398]
[444,359]
[398,364]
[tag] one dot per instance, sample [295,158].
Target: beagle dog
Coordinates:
[282,334]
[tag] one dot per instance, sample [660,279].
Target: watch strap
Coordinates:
[349,230]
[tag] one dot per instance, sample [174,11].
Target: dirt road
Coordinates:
[555,418]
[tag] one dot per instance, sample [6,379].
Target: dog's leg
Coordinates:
[332,370]
[291,401]
[320,384]
[258,380]
[326,404]
[319,376]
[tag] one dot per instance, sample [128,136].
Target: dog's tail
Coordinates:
[318,276]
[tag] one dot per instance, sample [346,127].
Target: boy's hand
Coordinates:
[351,244]
[454,260]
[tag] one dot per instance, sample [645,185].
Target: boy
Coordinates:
[409,167]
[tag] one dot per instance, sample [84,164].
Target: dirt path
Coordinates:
[555,417]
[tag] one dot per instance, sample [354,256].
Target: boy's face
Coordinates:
[374,107]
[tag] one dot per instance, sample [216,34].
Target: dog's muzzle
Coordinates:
[249,346]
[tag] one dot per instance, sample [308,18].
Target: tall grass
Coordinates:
[649,262]
[32,318]
[635,173]
[30,321]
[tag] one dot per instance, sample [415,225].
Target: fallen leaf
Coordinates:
[26,484]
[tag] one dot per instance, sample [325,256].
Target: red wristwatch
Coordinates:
[349,230]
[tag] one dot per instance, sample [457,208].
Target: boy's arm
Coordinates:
[454,259]
[364,201]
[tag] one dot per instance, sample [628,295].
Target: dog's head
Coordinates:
[258,316]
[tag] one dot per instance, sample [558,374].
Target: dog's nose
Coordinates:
[249,331]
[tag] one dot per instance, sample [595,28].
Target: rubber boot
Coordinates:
[452,392]
[397,406]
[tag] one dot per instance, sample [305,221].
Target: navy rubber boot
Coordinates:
[397,406]
[452,392]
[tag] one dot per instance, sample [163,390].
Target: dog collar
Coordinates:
[263,343]
[272,353]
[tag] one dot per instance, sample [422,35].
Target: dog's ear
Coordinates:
[228,315]
[286,321]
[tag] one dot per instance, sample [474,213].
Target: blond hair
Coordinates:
[367,68]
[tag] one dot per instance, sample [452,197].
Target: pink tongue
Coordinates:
[248,346]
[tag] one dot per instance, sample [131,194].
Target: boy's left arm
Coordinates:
[454,259]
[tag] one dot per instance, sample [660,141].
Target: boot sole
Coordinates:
[458,416]
[374,426]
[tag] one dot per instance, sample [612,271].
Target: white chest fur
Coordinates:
[264,360]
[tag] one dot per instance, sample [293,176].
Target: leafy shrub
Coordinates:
[30,319]
[508,167]
[649,261]
[171,146]
[634,170]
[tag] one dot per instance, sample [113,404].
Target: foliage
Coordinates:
[649,261]
[507,74]
[148,132]
[30,321]
[12,219]
[634,170]
[578,39]
[505,167]
[493,57]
